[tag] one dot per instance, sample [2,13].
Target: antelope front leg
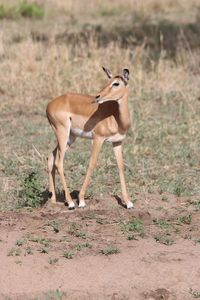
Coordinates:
[118,154]
[96,147]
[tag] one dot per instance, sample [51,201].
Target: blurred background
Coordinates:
[48,48]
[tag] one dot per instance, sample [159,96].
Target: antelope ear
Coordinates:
[108,73]
[126,75]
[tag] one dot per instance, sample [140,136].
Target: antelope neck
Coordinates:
[124,116]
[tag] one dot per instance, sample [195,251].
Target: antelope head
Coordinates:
[116,88]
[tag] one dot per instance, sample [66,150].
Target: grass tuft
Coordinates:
[135,225]
[195,293]
[31,192]
[163,239]
[110,250]
[30,10]
[21,9]
[68,254]
[14,252]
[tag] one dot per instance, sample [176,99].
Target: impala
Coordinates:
[101,118]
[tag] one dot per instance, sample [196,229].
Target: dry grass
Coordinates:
[162,148]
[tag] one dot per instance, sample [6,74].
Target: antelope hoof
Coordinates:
[52,198]
[81,204]
[129,205]
[71,206]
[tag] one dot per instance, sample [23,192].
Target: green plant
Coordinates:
[167,241]
[52,261]
[55,224]
[31,192]
[10,166]
[87,245]
[79,247]
[163,239]
[54,295]
[162,223]
[157,237]
[135,225]
[43,250]
[110,250]
[179,189]
[110,11]
[185,219]
[89,215]
[29,251]
[22,9]
[197,241]
[74,229]
[68,254]
[165,198]
[2,12]
[197,204]
[80,234]
[19,242]
[64,239]
[131,237]
[31,10]
[39,240]
[7,12]
[195,293]
[99,221]
[14,252]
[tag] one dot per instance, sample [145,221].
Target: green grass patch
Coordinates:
[75,230]
[195,293]
[55,295]
[22,9]
[197,204]
[39,240]
[14,252]
[52,261]
[30,10]
[162,223]
[64,239]
[79,247]
[55,224]
[20,242]
[110,11]
[29,251]
[164,239]
[110,250]
[185,219]
[134,226]
[68,254]
[43,250]
[31,193]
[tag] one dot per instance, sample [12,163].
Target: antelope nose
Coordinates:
[98,97]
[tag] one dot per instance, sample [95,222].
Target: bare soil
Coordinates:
[54,253]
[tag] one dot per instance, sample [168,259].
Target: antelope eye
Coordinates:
[115,84]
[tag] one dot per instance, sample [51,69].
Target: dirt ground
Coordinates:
[54,253]
[103,251]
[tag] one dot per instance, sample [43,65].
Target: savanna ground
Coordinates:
[102,251]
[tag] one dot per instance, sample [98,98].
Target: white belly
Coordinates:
[81,133]
[89,135]
[115,138]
